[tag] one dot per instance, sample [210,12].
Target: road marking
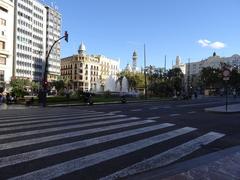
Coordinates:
[93,159]
[136,110]
[50,119]
[166,157]
[192,112]
[153,108]
[174,115]
[113,112]
[199,104]
[28,156]
[153,118]
[33,116]
[166,107]
[26,133]
[65,122]
[65,135]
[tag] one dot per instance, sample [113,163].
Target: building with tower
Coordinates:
[180,65]
[214,61]
[87,72]
[134,67]
[134,61]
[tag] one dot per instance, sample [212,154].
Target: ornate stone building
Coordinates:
[88,72]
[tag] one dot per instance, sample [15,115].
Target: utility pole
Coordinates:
[188,78]
[165,64]
[45,82]
[145,75]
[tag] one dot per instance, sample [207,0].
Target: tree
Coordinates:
[135,79]
[175,79]
[211,78]
[234,78]
[59,85]
[19,86]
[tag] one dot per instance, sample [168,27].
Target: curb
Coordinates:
[221,109]
[181,167]
[106,103]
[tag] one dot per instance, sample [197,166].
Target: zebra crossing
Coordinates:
[85,144]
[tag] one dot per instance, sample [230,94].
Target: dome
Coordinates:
[128,68]
[134,53]
[82,47]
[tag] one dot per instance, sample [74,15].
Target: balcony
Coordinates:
[4,52]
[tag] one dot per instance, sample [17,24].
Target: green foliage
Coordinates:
[59,85]
[234,78]
[19,86]
[135,79]
[211,78]
[162,89]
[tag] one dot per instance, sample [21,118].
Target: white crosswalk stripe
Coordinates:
[46,124]
[153,118]
[90,160]
[29,140]
[49,119]
[10,160]
[167,157]
[58,136]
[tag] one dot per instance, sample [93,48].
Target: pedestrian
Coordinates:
[1,98]
[195,94]
[234,94]
[8,98]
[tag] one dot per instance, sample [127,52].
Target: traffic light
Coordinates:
[45,83]
[66,36]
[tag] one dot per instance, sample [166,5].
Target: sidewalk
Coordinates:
[225,168]
[15,106]
[232,108]
[221,165]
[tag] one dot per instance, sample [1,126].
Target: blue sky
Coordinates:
[115,28]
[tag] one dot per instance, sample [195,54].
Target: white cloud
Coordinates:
[217,45]
[213,45]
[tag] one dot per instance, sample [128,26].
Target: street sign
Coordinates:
[226,73]
[226,78]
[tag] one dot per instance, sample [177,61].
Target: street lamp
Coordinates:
[145,76]
[45,82]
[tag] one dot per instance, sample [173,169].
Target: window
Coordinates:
[3,9]
[2,45]
[2,60]
[2,22]
[1,75]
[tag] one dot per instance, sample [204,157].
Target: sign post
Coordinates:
[226,77]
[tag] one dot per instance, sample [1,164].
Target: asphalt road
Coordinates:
[111,141]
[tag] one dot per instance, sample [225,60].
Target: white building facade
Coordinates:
[30,39]
[53,34]
[6,42]
[36,28]
[215,61]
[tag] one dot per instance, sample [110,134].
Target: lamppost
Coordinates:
[45,83]
[145,76]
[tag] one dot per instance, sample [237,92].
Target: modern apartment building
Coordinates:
[6,42]
[53,33]
[36,27]
[88,72]
[30,39]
